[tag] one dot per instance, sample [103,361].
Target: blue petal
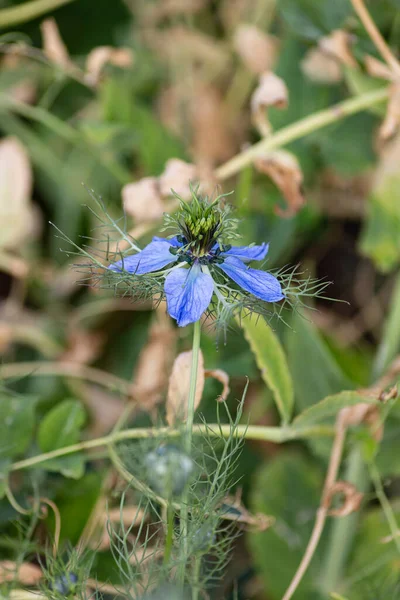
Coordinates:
[153,257]
[172,241]
[189,293]
[259,283]
[248,252]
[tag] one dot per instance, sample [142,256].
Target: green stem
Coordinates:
[193,384]
[27,11]
[299,129]
[184,516]
[169,538]
[385,504]
[277,435]
[343,529]
[196,578]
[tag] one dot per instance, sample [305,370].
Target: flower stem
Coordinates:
[192,388]
[343,530]
[27,11]
[184,515]
[278,435]
[299,129]
[169,538]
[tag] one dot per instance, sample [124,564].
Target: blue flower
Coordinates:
[193,273]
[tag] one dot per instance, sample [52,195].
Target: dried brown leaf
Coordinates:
[368,414]
[152,13]
[377,68]
[198,113]
[258,50]
[28,574]
[189,50]
[284,170]
[179,385]
[154,363]
[83,346]
[142,200]
[271,91]
[53,45]
[352,498]
[102,55]
[176,176]
[320,67]
[212,139]
[223,378]
[16,213]
[338,45]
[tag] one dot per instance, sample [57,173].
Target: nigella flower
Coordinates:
[199,263]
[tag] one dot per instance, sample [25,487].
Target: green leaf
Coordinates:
[356,134]
[312,366]
[390,342]
[380,239]
[329,407]
[61,427]
[4,467]
[374,565]
[16,424]
[312,18]
[75,501]
[289,489]
[271,361]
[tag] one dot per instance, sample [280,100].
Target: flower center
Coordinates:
[203,227]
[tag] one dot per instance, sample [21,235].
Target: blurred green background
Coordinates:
[97,95]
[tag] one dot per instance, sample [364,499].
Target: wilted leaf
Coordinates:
[352,498]
[142,200]
[151,373]
[223,378]
[321,67]
[338,45]
[16,215]
[53,45]
[209,120]
[272,363]
[25,573]
[257,49]
[284,170]
[179,384]
[182,46]
[83,346]
[152,13]
[377,68]
[271,91]
[176,176]
[102,55]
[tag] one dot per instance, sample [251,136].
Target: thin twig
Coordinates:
[322,513]
[376,36]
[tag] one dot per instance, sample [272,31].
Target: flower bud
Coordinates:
[168,470]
